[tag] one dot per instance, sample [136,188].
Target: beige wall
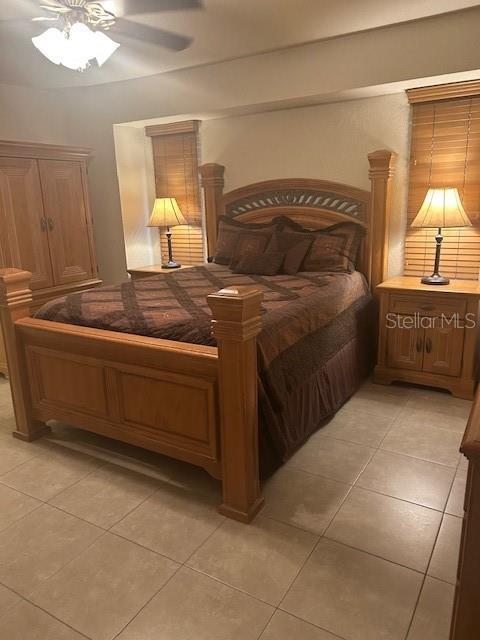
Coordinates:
[136,181]
[32,115]
[329,141]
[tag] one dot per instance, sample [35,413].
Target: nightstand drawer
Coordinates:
[433,305]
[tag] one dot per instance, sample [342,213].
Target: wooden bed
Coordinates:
[113,383]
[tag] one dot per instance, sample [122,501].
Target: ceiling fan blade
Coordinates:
[25,10]
[136,7]
[21,30]
[142,32]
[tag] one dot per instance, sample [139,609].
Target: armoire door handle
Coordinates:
[51,224]
[43,224]
[419,345]
[428,345]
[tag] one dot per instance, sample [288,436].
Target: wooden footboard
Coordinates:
[190,402]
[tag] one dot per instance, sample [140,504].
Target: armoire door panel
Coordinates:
[66,215]
[405,346]
[444,350]
[23,234]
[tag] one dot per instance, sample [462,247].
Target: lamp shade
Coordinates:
[442,208]
[166,213]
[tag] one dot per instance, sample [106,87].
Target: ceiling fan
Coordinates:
[77,33]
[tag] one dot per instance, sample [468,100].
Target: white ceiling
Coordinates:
[222,30]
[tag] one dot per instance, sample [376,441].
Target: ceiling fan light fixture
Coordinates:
[76,47]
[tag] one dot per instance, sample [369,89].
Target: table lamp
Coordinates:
[166,213]
[441,208]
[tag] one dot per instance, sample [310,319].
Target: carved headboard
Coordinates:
[313,204]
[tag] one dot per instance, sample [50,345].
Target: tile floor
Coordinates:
[358,540]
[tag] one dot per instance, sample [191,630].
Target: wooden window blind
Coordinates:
[175,155]
[445,151]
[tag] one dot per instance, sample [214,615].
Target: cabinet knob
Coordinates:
[419,345]
[428,345]
[51,224]
[43,224]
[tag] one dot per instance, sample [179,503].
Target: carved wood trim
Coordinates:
[11,148]
[444,91]
[293,193]
[185,126]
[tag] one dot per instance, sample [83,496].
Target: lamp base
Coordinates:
[171,264]
[435,279]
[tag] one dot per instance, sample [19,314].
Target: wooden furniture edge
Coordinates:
[15,301]
[465,623]
[458,387]
[414,285]
[40,150]
[236,322]
[212,183]
[470,446]
[378,200]
[382,168]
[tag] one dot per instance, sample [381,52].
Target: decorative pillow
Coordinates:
[248,244]
[244,236]
[295,245]
[260,264]
[334,248]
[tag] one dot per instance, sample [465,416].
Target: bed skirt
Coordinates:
[313,403]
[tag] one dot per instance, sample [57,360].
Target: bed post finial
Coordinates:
[212,184]
[15,300]
[236,324]
[382,169]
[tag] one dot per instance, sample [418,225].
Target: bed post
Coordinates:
[382,168]
[15,300]
[212,185]
[236,323]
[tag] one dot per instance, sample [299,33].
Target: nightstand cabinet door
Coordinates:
[443,350]
[405,346]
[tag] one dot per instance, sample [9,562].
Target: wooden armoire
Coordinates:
[45,219]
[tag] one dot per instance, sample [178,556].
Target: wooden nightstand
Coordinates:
[428,334]
[151,270]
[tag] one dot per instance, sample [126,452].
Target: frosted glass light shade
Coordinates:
[79,47]
[76,48]
[51,43]
[104,47]
[442,208]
